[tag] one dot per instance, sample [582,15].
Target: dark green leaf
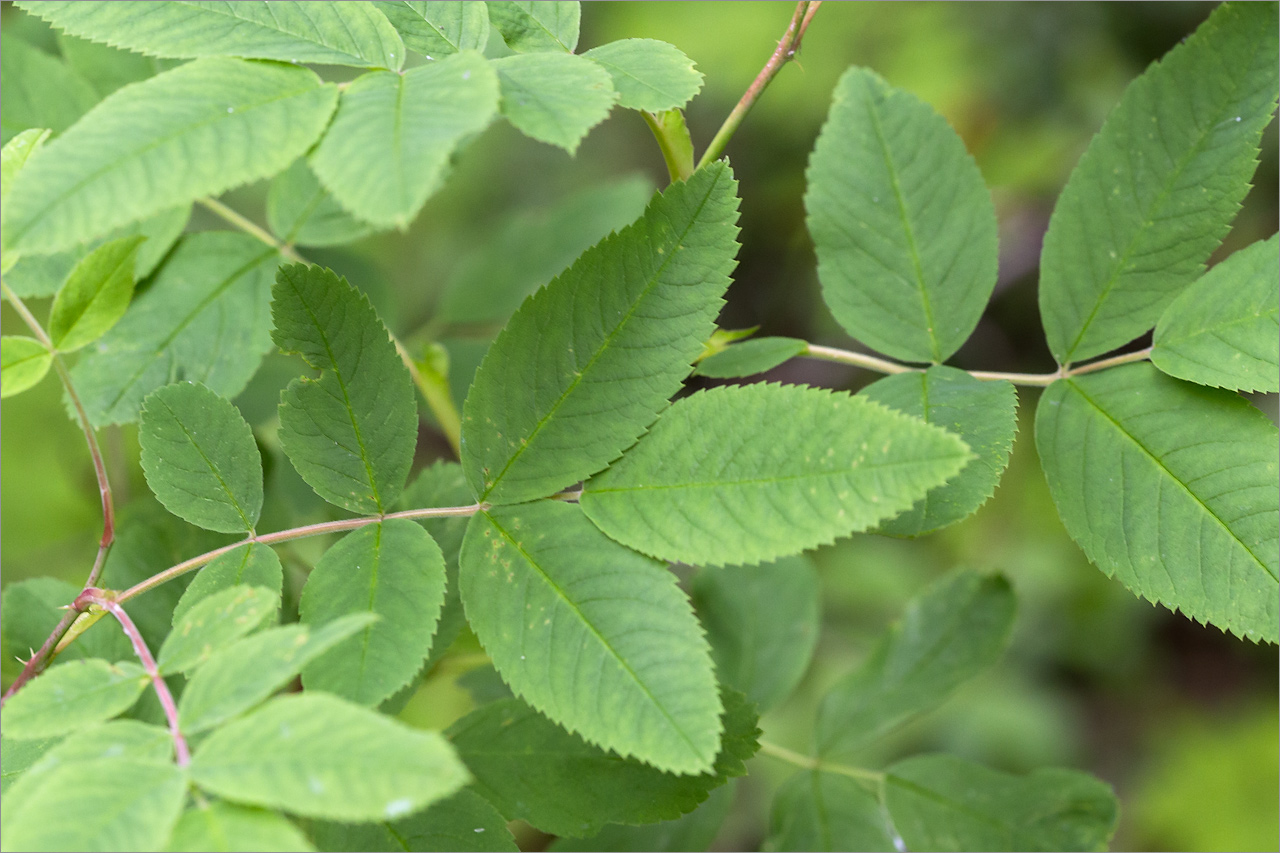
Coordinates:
[252,565]
[464,821]
[441,27]
[224,826]
[213,623]
[533,27]
[694,831]
[814,810]
[70,696]
[301,211]
[648,74]
[750,357]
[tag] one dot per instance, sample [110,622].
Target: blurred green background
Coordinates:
[1180,718]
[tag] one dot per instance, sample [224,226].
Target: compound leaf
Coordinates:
[597,637]
[949,633]
[336,33]
[389,145]
[314,754]
[534,27]
[902,223]
[217,621]
[1155,192]
[984,414]
[806,466]
[586,363]
[300,211]
[193,131]
[825,811]
[96,295]
[942,802]
[554,97]
[350,433]
[200,458]
[750,357]
[226,826]
[648,74]
[438,29]
[464,821]
[533,770]
[70,696]
[394,570]
[23,363]
[1224,329]
[254,564]
[42,91]
[1171,488]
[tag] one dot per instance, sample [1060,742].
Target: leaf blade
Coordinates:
[529,27]
[72,695]
[95,296]
[224,826]
[814,810]
[554,97]
[438,29]
[648,74]
[216,621]
[254,564]
[23,363]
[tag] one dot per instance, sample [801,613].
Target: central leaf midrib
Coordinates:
[235,503]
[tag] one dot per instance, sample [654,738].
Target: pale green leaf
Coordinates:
[984,414]
[227,827]
[586,364]
[530,248]
[554,97]
[215,622]
[389,145]
[15,153]
[70,696]
[197,130]
[106,68]
[694,831]
[807,466]
[464,821]
[439,28]
[902,222]
[40,90]
[23,363]
[648,74]
[332,33]
[535,771]
[350,433]
[200,458]
[532,27]
[254,564]
[18,756]
[826,811]
[314,754]
[762,623]
[1156,190]
[1224,329]
[1171,488]
[597,637]
[750,357]
[394,570]
[942,802]
[302,212]
[239,676]
[951,632]
[31,609]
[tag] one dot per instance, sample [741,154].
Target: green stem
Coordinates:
[251,228]
[810,763]
[673,139]
[787,49]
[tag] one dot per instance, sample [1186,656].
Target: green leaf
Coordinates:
[951,632]
[19,756]
[762,623]
[529,27]
[984,414]
[70,696]
[224,826]
[902,222]
[530,248]
[395,571]
[535,771]
[464,821]
[389,145]
[215,622]
[350,433]
[1156,190]
[106,68]
[200,458]
[585,365]
[814,810]
[117,803]
[239,676]
[750,357]
[314,754]
[41,90]
[1171,488]
[23,363]
[197,130]
[300,211]
[1224,329]
[648,74]
[254,564]
[942,802]
[597,637]
[31,609]
[15,153]
[807,465]
[332,33]
[438,29]
[554,97]
[694,831]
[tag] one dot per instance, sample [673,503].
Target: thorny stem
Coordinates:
[787,49]
[810,763]
[104,600]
